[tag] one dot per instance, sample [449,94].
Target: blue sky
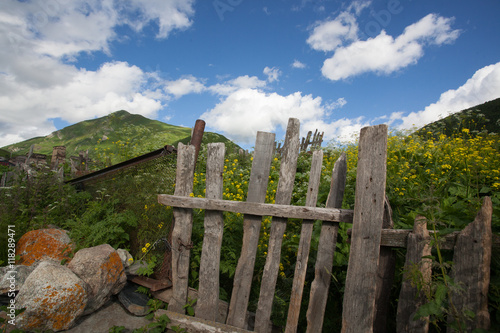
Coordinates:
[245,66]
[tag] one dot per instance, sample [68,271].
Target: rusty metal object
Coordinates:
[152,284]
[197,136]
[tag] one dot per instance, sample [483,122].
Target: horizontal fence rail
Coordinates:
[259,209]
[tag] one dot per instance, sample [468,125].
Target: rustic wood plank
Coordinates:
[192,324]
[212,240]
[152,284]
[399,237]
[165,295]
[222,307]
[259,177]
[299,276]
[471,269]
[410,297]
[263,209]
[326,250]
[284,193]
[181,235]
[359,297]
[385,276]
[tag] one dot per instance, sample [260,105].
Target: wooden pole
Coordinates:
[410,296]
[257,186]
[208,300]
[283,196]
[471,270]
[326,250]
[304,245]
[360,289]
[181,234]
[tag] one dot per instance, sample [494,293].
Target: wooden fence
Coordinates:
[371,261]
[311,142]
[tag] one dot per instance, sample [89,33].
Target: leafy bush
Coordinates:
[102,223]
[37,200]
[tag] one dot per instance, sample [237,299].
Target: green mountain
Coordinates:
[125,134]
[483,117]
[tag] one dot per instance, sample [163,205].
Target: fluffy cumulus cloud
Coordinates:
[246,111]
[242,82]
[272,73]
[170,14]
[483,86]
[246,106]
[87,94]
[330,34]
[382,54]
[183,86]
[39,41]
[298,64]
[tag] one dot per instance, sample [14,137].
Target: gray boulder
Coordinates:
[126,258]
[44,244]
[12,279]
[54,297]
[102,270]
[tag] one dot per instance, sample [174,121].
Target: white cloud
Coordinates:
[341,130]
[272,73]
[241,82]
[169,14]
[382,54]
[358,6]
[330,34]
[340,102]
[246,111]
[483,86]
[246,107]
[38,41]
[298,64]
[183,86]
[89,94]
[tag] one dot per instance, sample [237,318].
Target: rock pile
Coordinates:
[55,289]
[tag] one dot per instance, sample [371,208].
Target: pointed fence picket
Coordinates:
[371,261]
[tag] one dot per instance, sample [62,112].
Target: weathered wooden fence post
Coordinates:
[326,250]
[208,296]
[385,276]
[299,276]
[257,187]
[471,269]
[278,226]
[410,296]
[360,288]
[181,235]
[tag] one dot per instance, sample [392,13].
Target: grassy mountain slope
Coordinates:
[114,131]
[478,118]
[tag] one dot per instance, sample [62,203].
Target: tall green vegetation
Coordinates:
[442,177]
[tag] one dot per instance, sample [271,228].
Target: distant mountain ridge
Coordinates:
[135,131]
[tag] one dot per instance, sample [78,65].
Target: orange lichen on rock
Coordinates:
[113,267]
[37,245]
[57,308]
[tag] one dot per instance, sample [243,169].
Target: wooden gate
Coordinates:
[369,269]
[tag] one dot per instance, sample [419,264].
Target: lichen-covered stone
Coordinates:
[126,257]
[54,297]
[102,269]
[44,244]
[12,279]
